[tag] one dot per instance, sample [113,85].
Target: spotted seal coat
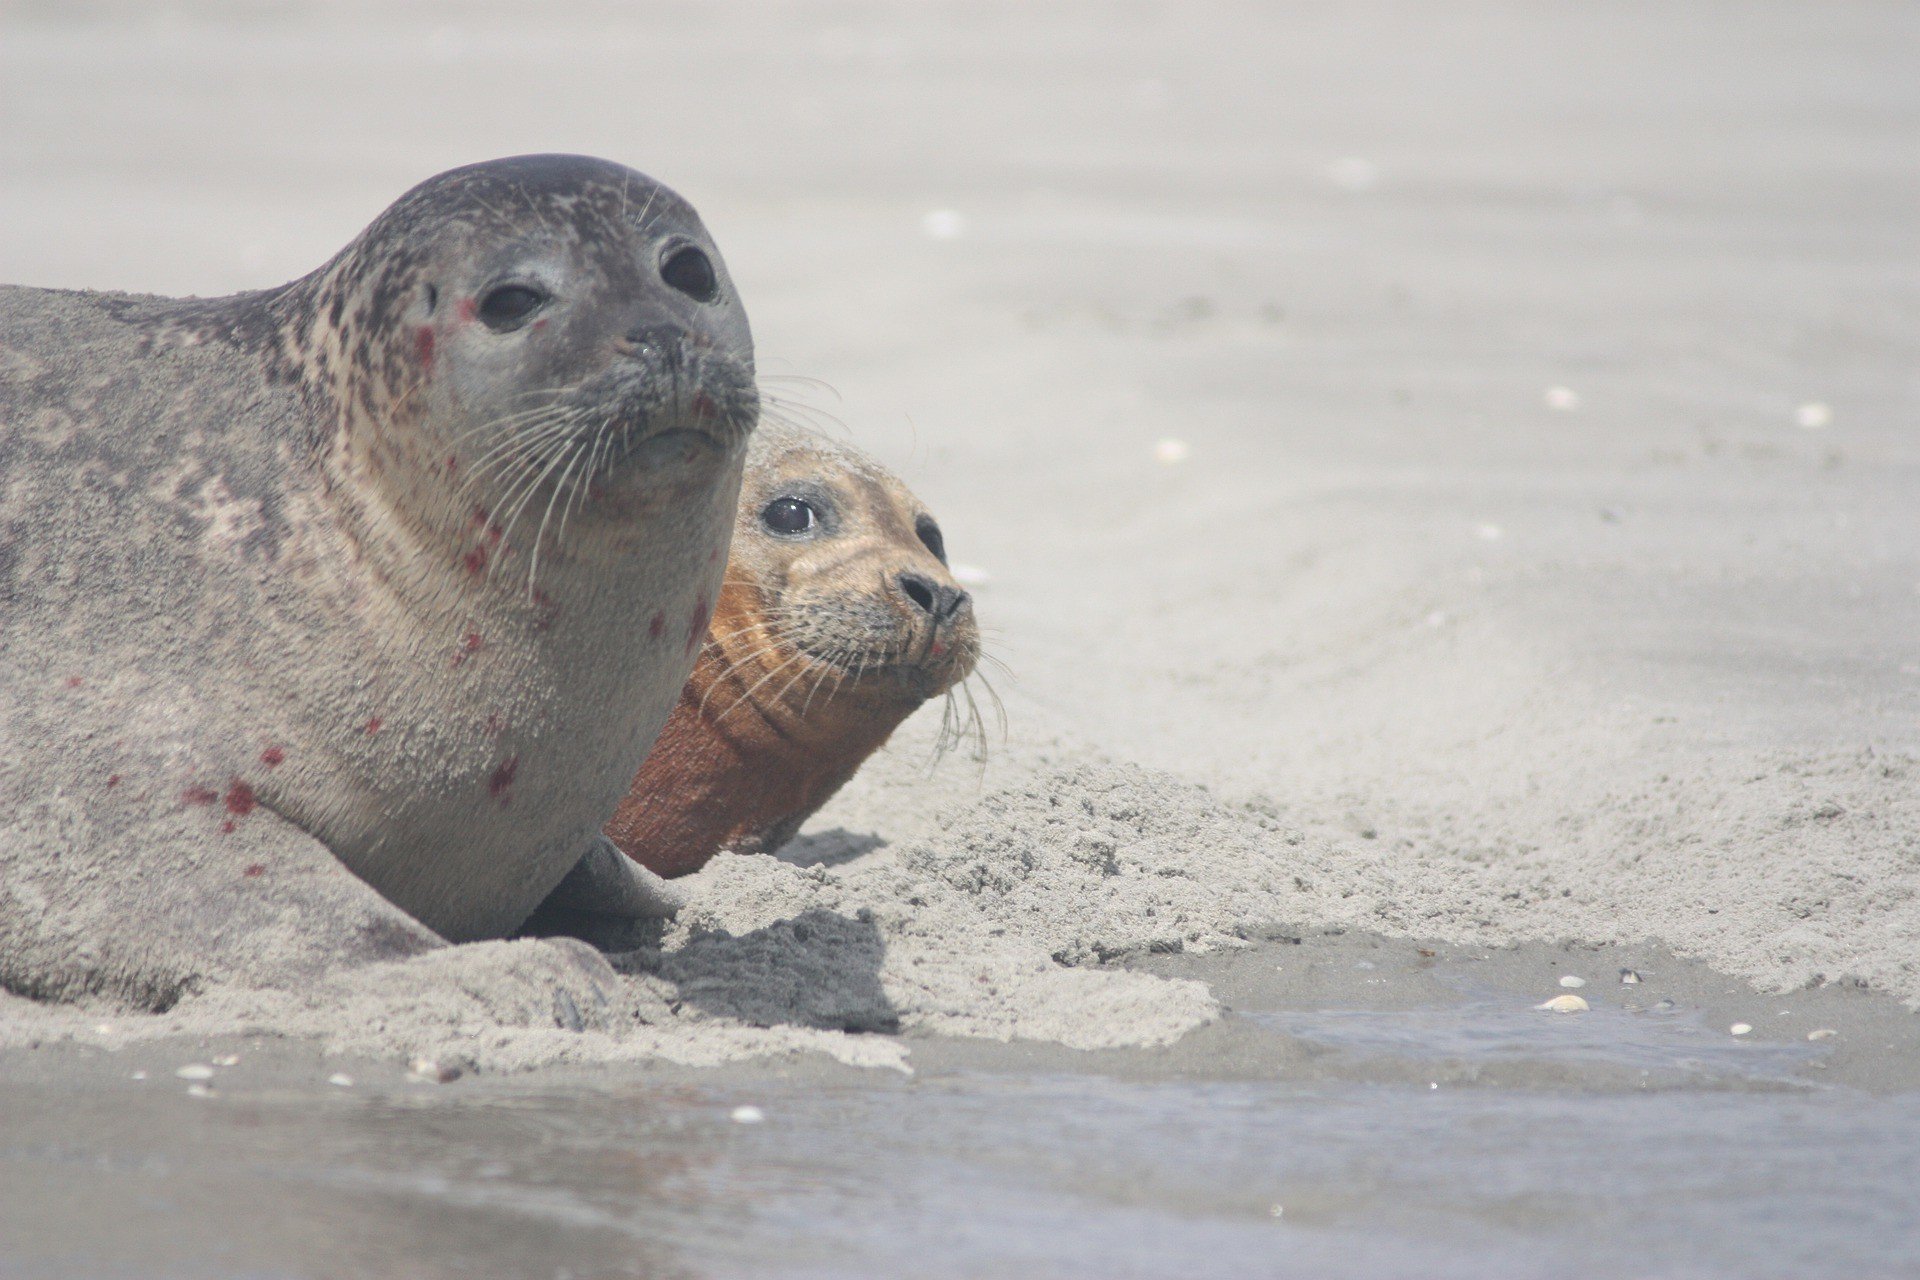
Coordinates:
[838,619]
[348,574]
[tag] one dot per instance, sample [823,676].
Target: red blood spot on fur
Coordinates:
[476,561]
[494,531]
[658,626]
[697,622]
[256,869]
[240,799]
[547,610]
[113,779]
[469,644]
[423,344]
[540,324]
[199,796]
[936,648]
[372,726]
[273,757]
[468,309]
[227,827]
[74,682]
[502,779]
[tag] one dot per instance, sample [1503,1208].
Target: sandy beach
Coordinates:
[1438,481]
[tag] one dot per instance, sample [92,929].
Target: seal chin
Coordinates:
[912,674]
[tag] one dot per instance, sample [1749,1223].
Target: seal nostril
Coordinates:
[919,590]
[952,601]
[652,343]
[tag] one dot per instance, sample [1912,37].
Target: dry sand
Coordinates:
[1448,475]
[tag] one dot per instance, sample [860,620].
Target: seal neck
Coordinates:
[738,767]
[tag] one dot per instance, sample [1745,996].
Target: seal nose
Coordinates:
[653,341]
[934,599]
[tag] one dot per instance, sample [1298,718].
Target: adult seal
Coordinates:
[838,619]
[319,605]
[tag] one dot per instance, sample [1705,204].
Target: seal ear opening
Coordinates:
[433,299]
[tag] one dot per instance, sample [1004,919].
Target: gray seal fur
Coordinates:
[345,575]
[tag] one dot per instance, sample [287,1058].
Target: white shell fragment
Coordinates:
[970,575]
[195,1071]
[748,1115]
[433,1072]
[341,1079]
[227,1060]
[1813,415]
[1629,977]
[1569,980]
[1740,1028]
[1565,1004]
[1822,1033]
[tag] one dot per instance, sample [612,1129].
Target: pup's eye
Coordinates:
[929,534]
[789,516]
[691,272]
[508,307]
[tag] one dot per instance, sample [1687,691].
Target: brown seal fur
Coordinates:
[839,617]
[348,572]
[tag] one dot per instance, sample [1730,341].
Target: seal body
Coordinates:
[348,572]
[838,619]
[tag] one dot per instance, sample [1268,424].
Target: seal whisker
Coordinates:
[828,667]
[526,491]
[552,400]
[514,468]
[793,414]
[807,663]
[751,689]
[773,645]
[730,668]
[602,434]
[537,432]
[574,456]
[643,211]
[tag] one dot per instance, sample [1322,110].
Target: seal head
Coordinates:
[838,619]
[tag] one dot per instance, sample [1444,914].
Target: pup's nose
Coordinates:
[938,601]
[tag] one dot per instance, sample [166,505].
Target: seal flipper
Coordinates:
[608,882]
[146,912]
[608,899]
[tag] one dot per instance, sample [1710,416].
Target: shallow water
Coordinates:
[1467,1134]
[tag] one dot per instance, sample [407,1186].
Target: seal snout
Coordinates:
[939,601]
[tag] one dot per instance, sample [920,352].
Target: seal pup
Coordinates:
[839,617]
[398,567]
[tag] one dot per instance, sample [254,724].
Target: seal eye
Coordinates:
[929,534]
[508,306]
[789,516]
[691,272]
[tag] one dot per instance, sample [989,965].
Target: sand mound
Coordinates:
[1000,922]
